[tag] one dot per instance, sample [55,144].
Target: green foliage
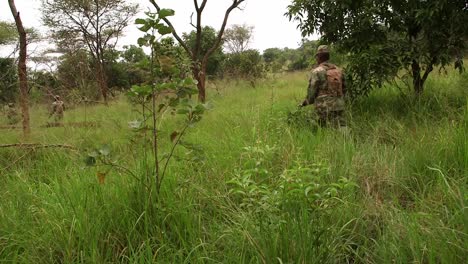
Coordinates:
[272,60]
[246,64]
[168,91]
[385,37]
[209,35]
[75,75]
[134,54]
[303,117]
[260,192]
[288,59]
[8,80]
[8,33]
[73,27]
[44,84]
[237,38]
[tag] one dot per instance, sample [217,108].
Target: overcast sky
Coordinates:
[271,27]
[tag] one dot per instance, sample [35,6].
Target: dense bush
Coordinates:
[247,64]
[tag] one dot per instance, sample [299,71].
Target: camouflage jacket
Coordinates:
[321,94]
[58,107]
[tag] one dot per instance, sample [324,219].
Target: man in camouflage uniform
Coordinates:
[11,113]
[58,108]
[327,90]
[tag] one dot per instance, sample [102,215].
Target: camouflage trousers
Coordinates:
[335,119]
[58,116]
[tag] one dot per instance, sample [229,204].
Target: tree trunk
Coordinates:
[22,72]
[200,76]
[418,82]
[102,81]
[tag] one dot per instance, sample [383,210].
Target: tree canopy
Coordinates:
[208,39]
[8,33]
[237,38]
[385,36]
[93,24]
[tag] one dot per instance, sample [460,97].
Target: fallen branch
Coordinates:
[37,145]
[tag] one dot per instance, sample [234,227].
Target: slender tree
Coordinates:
[199,60]
[95,24]
[22,71]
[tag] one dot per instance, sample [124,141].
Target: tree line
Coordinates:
[74,74]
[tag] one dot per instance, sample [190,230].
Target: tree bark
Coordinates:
[418,83]
[200,73]
[102,81]
[22,71]
[200,76]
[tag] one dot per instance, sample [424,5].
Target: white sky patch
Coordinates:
[271,27]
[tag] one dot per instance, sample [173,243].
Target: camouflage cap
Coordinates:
[322,49]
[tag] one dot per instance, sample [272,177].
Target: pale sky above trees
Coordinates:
[271,27]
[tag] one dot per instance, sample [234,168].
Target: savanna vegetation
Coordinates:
[148,166]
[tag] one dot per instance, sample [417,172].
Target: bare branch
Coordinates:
[235,4]
[174,33]
[191,21]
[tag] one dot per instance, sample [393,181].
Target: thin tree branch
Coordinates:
[174,33]
[172,153]
[235,4]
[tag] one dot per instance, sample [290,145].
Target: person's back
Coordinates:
[58,108]
[327,90]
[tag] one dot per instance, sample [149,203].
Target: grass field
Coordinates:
[391,189]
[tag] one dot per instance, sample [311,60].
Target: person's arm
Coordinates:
[311,90]
[53,109]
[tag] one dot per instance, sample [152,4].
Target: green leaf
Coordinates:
[140,21]
[199,109]
[164,30]
[188,82]
[145,27]
[105,150]
[163,13]
[142,41]
[160,107]
[90,161]
[183,111]
[142,90]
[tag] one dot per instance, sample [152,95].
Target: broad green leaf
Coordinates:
[90,161]
[140,21]
[166,12]
[145,27]
[105,150]
[164,30]
[142,41]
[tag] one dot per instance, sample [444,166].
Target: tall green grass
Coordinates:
[405,159]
